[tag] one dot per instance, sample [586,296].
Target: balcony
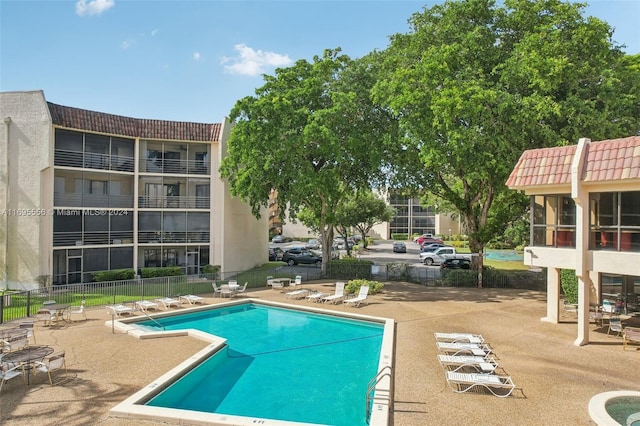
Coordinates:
[93,160]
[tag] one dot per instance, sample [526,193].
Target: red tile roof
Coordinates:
[614,159]
[93,121]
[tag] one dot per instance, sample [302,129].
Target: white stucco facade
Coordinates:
[30,176]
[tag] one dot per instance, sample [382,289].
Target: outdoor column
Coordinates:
[583,312]
[553,295]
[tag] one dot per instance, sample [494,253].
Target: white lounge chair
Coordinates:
[297,294]
[168,302]
[360,298]
[315,296]
[119,309]
[461,362]
[192,299]
[337,296]
[457,348]
[459,337]
[8,372]
[500,386]
[145,305]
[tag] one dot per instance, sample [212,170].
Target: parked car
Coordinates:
[457,263]
[313,244]
[441,254]
[277,239]
[399,247]
[422,239]
[304,256]
[432,245]
[272,255]
[415,239]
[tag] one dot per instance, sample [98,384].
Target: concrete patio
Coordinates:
[555,379]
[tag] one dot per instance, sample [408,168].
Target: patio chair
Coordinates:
[500,386]
[298,280]
[29,326]
[360,298]
[242,289]
[615,325]
[45,316]
[269,280]
[77,310]
[630,334]
[8,372]
[337,296]
[168,302]
[53,362]
[459,337]
[463,362]
[216,289]
[18,339]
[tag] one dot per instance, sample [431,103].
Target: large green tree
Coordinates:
[362,211]
[312,134]
[475,84]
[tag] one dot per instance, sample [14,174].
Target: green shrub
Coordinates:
[211,269]
[400,237]
[161,272]
[569,284]
[113,275]
[353,286]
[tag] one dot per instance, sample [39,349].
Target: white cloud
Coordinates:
[93,7]
[253,62]
[196,56]
[153,33]
[126,44]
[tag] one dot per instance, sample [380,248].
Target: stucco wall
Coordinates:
[25,140]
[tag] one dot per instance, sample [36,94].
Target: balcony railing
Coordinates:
[92,238]
[93,160]
[62,199]
[157,237]
[159,165]
[168,202]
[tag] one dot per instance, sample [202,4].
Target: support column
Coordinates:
[553,296]
[583,312]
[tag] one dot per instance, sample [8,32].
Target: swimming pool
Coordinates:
[270,364]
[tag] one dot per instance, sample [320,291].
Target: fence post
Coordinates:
[1,308]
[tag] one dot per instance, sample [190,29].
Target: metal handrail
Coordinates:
[371,387]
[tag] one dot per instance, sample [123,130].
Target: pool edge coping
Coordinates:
[131,409]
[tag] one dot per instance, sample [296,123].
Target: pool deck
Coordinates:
[555,379]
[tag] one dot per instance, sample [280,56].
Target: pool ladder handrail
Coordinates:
[381,398]
[144,311]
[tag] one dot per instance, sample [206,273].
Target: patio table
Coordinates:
[27,357]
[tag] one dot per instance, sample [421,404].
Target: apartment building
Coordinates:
[85,191]
[585,216]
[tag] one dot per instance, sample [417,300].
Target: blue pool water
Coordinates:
[625,409]
[279,364]
[504,255]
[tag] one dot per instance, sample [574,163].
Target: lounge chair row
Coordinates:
[144,305]
[469,364]
[337,296]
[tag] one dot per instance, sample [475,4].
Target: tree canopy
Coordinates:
[474,84]
[308,134]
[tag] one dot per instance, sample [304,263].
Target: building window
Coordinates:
[553,221]
[614,221]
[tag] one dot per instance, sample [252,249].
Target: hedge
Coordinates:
[113,275]
[161,272]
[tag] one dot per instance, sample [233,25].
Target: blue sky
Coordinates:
[192,60]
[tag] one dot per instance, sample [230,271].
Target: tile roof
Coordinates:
[93,121]
[614,159]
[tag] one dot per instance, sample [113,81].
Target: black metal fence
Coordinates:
[25,304]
